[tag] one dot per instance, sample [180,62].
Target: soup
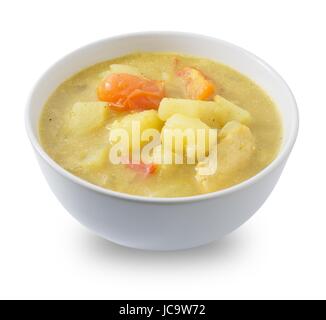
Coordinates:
[161,92]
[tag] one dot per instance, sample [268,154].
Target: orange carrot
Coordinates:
[197,86]
[129,92]
[146,169]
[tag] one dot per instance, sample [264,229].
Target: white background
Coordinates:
[279,253]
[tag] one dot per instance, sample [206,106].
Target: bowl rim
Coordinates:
[281,156]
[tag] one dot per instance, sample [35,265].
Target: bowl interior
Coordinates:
[211,48]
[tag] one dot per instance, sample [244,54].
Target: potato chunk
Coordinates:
[87,116]
[147,119]
[185,137]
[96,159]
[121,68]
[228,111]
[214,113]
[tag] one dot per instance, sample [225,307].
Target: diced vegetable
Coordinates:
[123,68]
[214,113]
[229,111]
[197,86]
[126,92]
[87,116]
[143,168]
[96,159]
[190,108]
[179,121]
[188,127]
[120,68]
[147,119]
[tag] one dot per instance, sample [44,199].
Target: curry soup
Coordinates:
[160,91]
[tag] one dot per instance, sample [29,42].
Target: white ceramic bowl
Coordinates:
[162,223]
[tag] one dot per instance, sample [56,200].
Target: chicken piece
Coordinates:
[235,149]
[236,146]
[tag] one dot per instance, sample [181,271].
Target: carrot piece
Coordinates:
[146,169]
[129,92]
[197,86]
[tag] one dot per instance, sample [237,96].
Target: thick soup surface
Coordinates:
[78,138]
